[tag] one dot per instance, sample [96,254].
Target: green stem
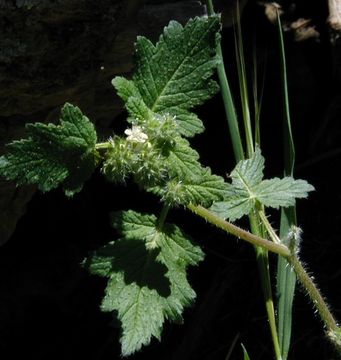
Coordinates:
[314,294]
[163,215]
[210,7]
[102,146]
[263,266]
[269,228]
[238,232]
[280,249]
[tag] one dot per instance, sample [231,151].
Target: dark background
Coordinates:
[49,305]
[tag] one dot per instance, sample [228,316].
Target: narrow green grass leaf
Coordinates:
[246,355]
[239,155]
[230,110]
[262,257]
[257,98]
[243,86]
[286,278]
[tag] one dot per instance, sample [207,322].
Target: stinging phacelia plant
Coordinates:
[146,266]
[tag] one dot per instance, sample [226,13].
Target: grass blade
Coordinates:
[246,355]
[243,86]
[286,278]
[257,98]
[261,254]
[230,109]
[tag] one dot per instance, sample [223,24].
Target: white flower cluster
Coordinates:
[135,134]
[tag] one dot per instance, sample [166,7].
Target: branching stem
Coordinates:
[280,249]
[270,230]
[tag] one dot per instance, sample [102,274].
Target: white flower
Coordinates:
[136,134]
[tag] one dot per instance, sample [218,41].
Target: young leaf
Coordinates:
[173,76]
[132,98]
[248,188]
[147,276]
[53,155]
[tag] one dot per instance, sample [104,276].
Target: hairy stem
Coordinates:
[102,146]
[280,249]
[314,294]
[238,232]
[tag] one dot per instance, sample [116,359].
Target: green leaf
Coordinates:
[183,160]
[174,75]
[133,101]
[125,88]
[201,190]
[53,155]
[205,189]
[147,276]
[248,188]
[282,192]
[246,355]
[188,181]
[233,208]
[133,225]
[248,173]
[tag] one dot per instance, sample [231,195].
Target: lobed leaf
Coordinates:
[147,276]
[233,208]
[184,161]
[206,189]
[282,192]
[248,173]
[174,75]
[248,188]
[53,155]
